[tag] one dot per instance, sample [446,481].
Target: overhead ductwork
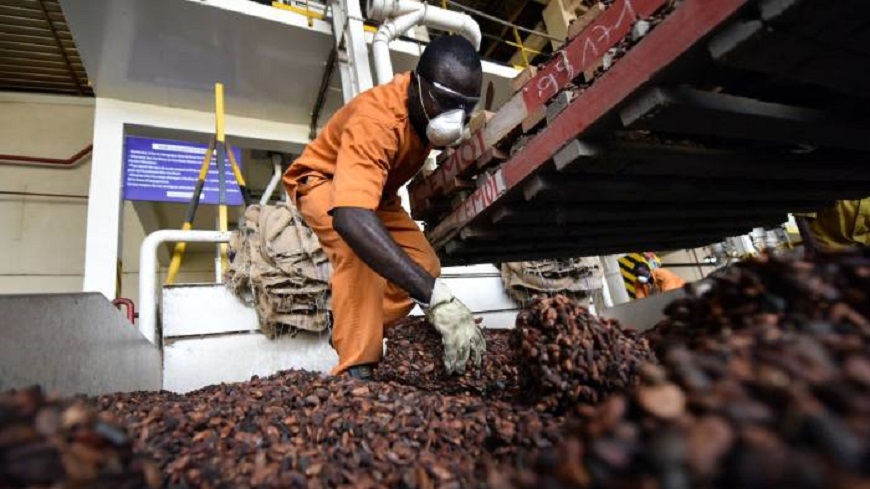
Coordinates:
[397,16]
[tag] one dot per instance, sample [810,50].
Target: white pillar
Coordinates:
[105,202]
[613,280]
[353,53]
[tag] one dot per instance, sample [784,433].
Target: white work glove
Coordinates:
[459,332]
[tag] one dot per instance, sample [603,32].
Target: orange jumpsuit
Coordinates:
[663,281]
[366,152]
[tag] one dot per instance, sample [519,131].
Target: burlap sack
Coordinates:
[278,260]
[576,278]
[238,274]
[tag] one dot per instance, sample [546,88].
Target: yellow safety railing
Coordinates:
[305,12]
[522,48]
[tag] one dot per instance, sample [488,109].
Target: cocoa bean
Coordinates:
[763,383]
[46,441]
[598,358]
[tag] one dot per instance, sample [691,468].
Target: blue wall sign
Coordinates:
[164,170]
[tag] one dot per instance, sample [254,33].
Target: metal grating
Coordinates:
[37,51]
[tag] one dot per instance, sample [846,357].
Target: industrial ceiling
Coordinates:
[37,52]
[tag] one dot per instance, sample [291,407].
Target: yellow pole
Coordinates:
[180,247]
[236,171]
[223,219]
[219,111]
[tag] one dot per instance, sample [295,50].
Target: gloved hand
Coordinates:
[459,332]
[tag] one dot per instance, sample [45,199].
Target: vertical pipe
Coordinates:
[273,183]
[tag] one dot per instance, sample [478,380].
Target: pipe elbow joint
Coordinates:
[382,35]
[471,31]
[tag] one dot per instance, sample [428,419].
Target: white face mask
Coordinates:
[445,129]
[643,279]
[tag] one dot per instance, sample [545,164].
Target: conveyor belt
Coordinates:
[727,116]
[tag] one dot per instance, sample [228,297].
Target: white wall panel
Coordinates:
[42,238]
[193,363]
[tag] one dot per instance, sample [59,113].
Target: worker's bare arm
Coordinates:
[366,235]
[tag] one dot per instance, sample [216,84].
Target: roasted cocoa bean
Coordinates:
[569,356]
[763,383]
[46,441]
[415,357]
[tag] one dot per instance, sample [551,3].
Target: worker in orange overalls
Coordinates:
[654,281]
[345,185]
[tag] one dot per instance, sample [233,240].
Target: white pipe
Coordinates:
[148,271]
[387,32]
[400,15]
[273,183]
[605,296]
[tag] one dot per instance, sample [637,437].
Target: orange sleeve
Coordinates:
[641,291]
[365,153]
[668,279]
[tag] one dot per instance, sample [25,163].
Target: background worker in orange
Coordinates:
[654,281]
[345,185]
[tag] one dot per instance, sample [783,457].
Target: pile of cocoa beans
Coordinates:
[48,442]
[415,357]
[761,378]
[301,429]
[764,382]
[569,356]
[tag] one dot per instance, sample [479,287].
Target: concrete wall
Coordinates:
[693,256]
[42,239]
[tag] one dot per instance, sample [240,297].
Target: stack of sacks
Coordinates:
[278,266]
[574,278]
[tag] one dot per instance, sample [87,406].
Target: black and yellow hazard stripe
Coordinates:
[626,267]
[243,187]
[224,152]
[190,214]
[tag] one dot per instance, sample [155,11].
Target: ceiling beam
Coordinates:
[60,47]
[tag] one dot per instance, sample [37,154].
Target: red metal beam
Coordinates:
[582,53]
[586,49]
[692,20]
[38,160]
